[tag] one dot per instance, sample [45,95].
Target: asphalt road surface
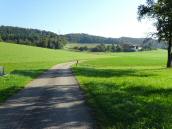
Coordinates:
[52,101]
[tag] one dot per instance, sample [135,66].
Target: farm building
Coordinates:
[131,48]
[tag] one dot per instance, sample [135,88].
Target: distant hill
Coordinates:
[32,37]
[86,38]
[47,39]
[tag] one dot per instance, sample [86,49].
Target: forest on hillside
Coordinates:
[33,37]
[46,39]
[86,38]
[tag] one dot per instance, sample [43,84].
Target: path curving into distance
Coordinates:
[52,101]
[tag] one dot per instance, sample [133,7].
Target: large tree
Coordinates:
[161,12]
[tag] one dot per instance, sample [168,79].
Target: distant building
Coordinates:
[131,48]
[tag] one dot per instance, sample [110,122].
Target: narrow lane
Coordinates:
[52,101]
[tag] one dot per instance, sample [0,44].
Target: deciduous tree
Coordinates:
[161,12]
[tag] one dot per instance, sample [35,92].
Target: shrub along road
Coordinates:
[53,100]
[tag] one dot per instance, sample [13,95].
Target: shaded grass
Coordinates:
[128,95]
[14,80]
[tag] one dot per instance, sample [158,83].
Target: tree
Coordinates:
[119,48]
[109,48]
[0,38]
[113,48]
[99,48]
[83,48]
[161,12]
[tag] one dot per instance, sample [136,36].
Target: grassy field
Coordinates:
[125,90]
[24,63]
[129,90]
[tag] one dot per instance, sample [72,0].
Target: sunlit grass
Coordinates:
[24,63]
[132,91]
[125,90]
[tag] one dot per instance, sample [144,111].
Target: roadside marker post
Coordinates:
[1,70]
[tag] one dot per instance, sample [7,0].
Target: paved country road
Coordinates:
[52,101]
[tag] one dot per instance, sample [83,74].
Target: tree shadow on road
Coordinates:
[31,74]
[45,107]
[52,73]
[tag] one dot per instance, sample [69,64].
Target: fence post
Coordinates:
[1,70]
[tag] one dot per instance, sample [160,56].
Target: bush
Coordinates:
[99,48]
[119,48]
[84,48]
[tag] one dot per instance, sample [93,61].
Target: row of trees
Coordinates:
[101,48]
[114,48]
[108,48]
[31,37]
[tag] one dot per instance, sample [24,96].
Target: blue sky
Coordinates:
[109,18]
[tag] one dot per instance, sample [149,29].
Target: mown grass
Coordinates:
[24,63]
[129,91]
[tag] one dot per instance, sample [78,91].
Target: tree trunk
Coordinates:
[169,62]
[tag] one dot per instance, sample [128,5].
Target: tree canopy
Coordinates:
[161,12]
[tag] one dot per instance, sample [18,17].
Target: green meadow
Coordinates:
[24,63]
[124,90]
[129,90]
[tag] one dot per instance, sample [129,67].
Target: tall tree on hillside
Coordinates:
[161,12]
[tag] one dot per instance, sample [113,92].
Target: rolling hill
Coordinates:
[86,38]
[32,37]
[47,39]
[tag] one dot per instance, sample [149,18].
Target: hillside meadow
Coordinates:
[129,90]
[24,63]
[124,90]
